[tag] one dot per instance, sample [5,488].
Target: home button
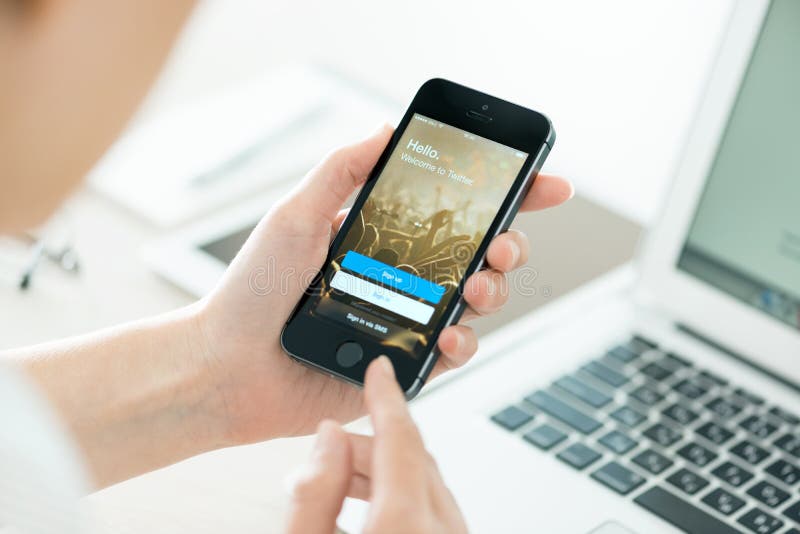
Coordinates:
[349,353]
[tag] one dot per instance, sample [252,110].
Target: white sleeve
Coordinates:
[41,474]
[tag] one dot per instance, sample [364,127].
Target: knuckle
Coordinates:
[311,485]
[338,156]
[282,216]
[305,489]
[399,421]
[399,510]
[430,462]
[342,158]
[279,209]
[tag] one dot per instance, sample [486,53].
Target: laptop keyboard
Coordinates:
[682,442]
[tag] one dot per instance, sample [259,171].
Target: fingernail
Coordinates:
[571,190]
[515,253]
[386,365]
[459,341]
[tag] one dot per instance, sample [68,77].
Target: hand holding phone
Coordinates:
[452,178]
[260,393]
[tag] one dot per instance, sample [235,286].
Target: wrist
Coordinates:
[248,383]
[135,397]
[227,410]
[204,393]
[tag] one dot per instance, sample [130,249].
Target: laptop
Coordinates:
[666,397]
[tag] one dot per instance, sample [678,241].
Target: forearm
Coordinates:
[135,397]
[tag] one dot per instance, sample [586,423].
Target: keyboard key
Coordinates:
[545,437]
[628,416]
[723,408]
[647,395]
[605,373]
[680,513]
[749,452]
[767,493]
[723,502]
[690,389]
[687,481]
[578,455]
[784,471]
[653,461]
[511,418]
[760,522]
[669,363]
[680,414]
[620,479]
[711,378]
[563,412]
[792,530]
[617,442]
[751,398]
[623,353]
[674,362]
[655,371]
[612,363]
[643,342]
[732,474]
[697,454]
[790,444]
[584,392]
[793,512]
[714,433]
[663,435]
[788,417]
[758,426]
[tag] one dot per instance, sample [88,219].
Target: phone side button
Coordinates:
[349,353]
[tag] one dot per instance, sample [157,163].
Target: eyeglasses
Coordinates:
[63,257]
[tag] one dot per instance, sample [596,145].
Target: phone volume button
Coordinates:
[456,315]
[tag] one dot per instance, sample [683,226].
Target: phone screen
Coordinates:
[401,261]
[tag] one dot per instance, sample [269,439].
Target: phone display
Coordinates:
[402,260]
[451,178]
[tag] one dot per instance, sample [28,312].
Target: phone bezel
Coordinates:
[511,125]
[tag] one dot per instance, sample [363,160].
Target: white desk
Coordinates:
[619,79]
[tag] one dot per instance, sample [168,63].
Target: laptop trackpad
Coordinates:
[611,527]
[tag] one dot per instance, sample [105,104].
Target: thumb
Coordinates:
[321,487]
[327,186]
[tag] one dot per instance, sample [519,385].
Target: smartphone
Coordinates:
[451,178]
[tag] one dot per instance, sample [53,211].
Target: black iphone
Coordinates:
[452,177]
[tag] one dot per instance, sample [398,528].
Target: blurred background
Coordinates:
[620,80]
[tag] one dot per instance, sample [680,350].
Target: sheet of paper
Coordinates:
[215,151]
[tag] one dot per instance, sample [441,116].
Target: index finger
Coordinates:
[398,455]
[547,191]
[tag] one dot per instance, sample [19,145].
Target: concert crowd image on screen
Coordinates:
[401,261]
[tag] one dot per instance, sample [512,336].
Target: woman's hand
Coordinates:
[265,393]
[392,470]
[146,394]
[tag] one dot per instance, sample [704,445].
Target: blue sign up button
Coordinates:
[393,277]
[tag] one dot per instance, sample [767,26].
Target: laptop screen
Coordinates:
[745,236]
